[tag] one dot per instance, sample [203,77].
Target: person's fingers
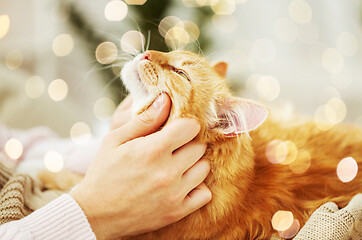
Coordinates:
[177,133]
[197,198]
[188,155]
[195,175]
[126,103]
[123,113]
[145,123]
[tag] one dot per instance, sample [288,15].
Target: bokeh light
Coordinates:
[302,162]
[80,133]
[132,42]
[202,3]
[268,88]
[291,154]
[291,231]
[284,152]
[106,52]
[14,59]
[4,25]
[276,151]
[339,110]
[263,50]
[13,148]
[58,90]
[300,11]
[223,7]
[190,3]
[136,2]
[34,87]
[177,37]
[192,30]
[224,23]
[347,169]
[347,44]
[103,108]
[167,23]
[285,30]
[334,112]
[115,11]
[53,161]
[282,220]
[63,45]
[332,60]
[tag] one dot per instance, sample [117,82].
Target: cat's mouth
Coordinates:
[132,79]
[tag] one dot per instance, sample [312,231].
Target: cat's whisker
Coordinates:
[101,93]
[148,40]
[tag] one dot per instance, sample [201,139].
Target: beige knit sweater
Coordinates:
[20,195]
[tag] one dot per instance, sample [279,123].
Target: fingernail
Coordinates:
[158,103]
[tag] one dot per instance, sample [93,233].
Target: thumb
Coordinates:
[145,123]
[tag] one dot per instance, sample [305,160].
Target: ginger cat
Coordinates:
[247,188]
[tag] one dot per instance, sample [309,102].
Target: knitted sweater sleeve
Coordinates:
[60,219]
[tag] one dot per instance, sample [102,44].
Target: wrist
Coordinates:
[89,210]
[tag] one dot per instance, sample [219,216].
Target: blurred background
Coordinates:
[60,59]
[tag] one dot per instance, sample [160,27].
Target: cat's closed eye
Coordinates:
[180,72]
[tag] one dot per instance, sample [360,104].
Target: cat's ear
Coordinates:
[221,68]
[237,116]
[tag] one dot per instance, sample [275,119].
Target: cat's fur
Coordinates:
[247,189]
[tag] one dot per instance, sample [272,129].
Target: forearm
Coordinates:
[60,219]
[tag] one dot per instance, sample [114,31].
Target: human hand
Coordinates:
[140,183]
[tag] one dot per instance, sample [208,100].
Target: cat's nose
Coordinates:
[146,56]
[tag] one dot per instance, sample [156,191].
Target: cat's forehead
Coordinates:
[185,58]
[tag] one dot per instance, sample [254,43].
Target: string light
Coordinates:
[300,11]
[192,30]
[58,90]
[4,25]
[291,231]
[34,87]
[276,151]
[223,7]
[13,148]
[167,23]
[106,52]
[301,163]
[347,44]
[115,11]
[14,59]
[332,60]
[80,133]
[177,37]
[282,220]
[103,108]
[132,42]
[268,88]
[63,45]
[53,161]
[347,169]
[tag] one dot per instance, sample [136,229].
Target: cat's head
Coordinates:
[196,88]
